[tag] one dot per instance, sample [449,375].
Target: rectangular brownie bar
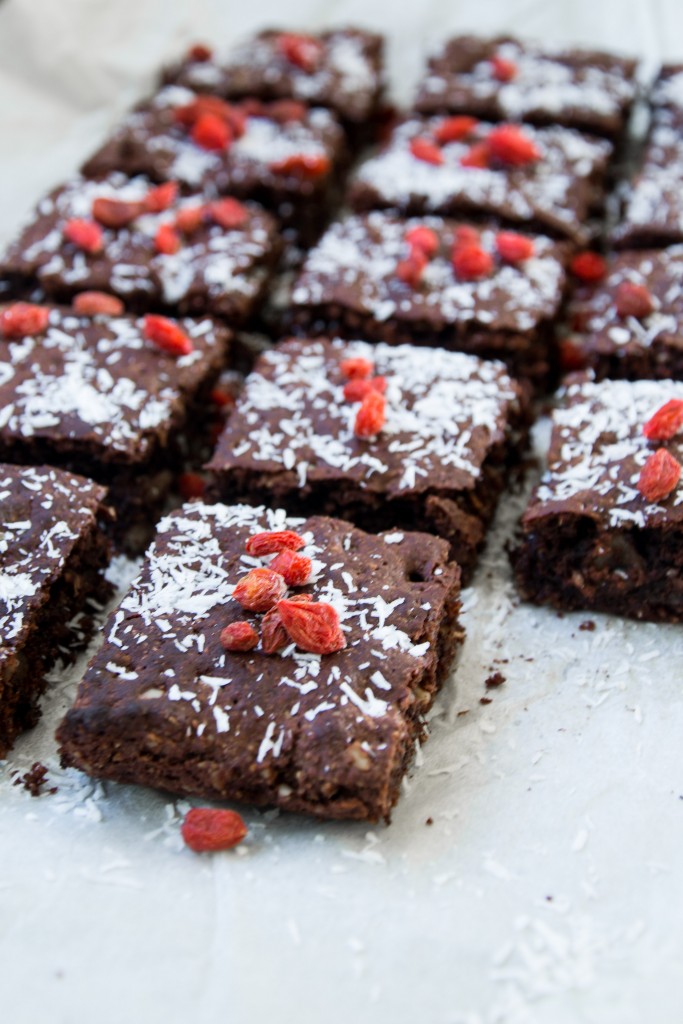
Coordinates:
[98,396]
[505,79]
[453,426]
[630,324]
[164,703]
[666,95]
[653,205]
[283,155]
[189,256]
[599,533]
[52,552]
[357,283]
[548,180]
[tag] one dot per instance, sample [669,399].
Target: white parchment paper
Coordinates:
[549,887]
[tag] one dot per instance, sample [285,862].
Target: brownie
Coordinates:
[52,553]
[341,69]
[163,704]
[590,538]
[285,156]
[454,425]
[553,194]
[653,207]
[503,78]
[350,285]
[667,92]
[97,397]
[631,324]
[218,270]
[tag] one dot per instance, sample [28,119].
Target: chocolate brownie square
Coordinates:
[548,180]
[453,424]
[283,155]
[357,283]
[111,236]
[341,69]
[631,323]
[604,529]
[667,93]
[98,396]
[52,553]
[653,209]
[504,79]
[164,703]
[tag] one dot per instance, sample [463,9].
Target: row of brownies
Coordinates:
[291,625]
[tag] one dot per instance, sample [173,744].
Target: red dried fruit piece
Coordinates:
[371,416]
[666,422]
[356,390]
[511,146]
[471,262]
[211,132]
[294,568]
[588,266]
[188,113]
[284,111]
[259,590]
[411,269]
[426,150]
[97,304]
[222,398]
[23,319]
[355,367]
[271,542]
[633,300]
[465,235]
[423,238]
[167,240]
[228,213]
[312,625]
[454,129]
[208,829]
[239,636]
[502,69]
[274,636]
[191,485]
[571,356]
[189,219]
[84,234]
[659,475]
[514,248]
[478,155]
[115,213]
[167,335]
[303,165]
[304,52]
[161,198]
[200,53]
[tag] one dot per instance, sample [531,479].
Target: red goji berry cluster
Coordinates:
[362,386]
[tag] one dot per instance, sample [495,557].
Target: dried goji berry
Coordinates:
[207,829]
[294,568]
[659,475]
[284,111]
[228,213]
[423,238]
[465,235]
[454,129]
[161,197]
[191,485]
[633,300]
[85,234]
[23,319]
[510,145]
[411,269]
[239,636]
[356,366]
[502,69]
[271,542]
[115,213]
[356,390]
[274,636]
[304,52]
[425,150]
[200,53]
[211,132]
[478,155]
[259,590]
[167,335]
[471,262]
[514,248]
[371,416]
[666,422]
[188,113]
[222,398]
[97,304]
[588,266]
[312,625]
[571,355]
[167,240]
[189,219]
[303,165]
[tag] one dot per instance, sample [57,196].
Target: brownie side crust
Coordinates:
[53,549]
[164,705]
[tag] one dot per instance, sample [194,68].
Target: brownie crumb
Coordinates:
[495,679]
[466,711]
[429,821]
[485,700]
[588,625]
[34,780]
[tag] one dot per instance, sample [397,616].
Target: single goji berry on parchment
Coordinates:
[260,589]
[312,625]
[23,319]
[200,53]
[208,829]
[659,475]
[239,636]
[270,542]
[666,422]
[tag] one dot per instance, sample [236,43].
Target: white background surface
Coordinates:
[548,889]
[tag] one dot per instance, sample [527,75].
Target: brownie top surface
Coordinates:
[355,264]
[163,656]
[444,411]
[598,450]
[151,141]
[655,198]
[98,387]
[667,89]
[346,72]
[44,513]
[553,191]
[212,262]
